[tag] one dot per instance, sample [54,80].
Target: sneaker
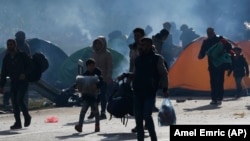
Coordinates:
[213,102]
[134,130]
[103,116]
[16,126]
[97,128]
[27,121]
[92,115]
[219,102]
[78,128]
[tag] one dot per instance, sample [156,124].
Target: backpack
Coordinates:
[39,64]
[120,103]
[220,54]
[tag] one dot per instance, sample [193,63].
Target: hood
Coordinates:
[103,41]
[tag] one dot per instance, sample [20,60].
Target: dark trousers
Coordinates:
[106,92]
[6,98]
[238,85]
[103,98]
[143,107]
[94,107]
[18,91]
[217,83]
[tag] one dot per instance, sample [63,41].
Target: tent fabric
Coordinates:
[120,45]
[190,74]
[69,68]
[54,54]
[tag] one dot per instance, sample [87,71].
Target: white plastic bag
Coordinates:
[87,84]
[166,115]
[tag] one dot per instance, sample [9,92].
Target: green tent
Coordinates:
[2,49]
[69,68]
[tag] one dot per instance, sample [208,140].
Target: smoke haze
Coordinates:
[73,24]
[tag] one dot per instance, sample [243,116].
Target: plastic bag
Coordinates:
[87,84]
[51,119]
[166,115]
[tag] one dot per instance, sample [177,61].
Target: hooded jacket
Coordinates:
[103,59]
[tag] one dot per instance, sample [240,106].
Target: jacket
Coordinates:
[104,60]
[15,66]
[240,66]
[150,73]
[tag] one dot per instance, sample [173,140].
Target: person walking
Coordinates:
[150,73]
[240,69]
[133,53]
[22,46]
[216,73]
[90,93]
[104,62]
[16,65]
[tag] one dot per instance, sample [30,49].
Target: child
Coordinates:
[239,68]
[88,85]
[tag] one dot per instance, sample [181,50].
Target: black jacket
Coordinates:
[15,66]
[209,43]
[146,74]
[240,66]
[206,45]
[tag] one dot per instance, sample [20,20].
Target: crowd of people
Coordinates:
[150,59]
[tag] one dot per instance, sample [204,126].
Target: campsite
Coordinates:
[190,76]
[68,32]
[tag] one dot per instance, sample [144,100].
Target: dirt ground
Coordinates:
[193,110]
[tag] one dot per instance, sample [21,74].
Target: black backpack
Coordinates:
[120,104]
[39,64]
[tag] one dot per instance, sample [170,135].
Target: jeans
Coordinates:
[94,107]
[143,107]
[18,92]
[106,92]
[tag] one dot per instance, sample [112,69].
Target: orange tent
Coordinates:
[190,75]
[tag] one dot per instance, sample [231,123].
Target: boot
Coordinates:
[27,121]
[97,128]
[78,128]
[16,125]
